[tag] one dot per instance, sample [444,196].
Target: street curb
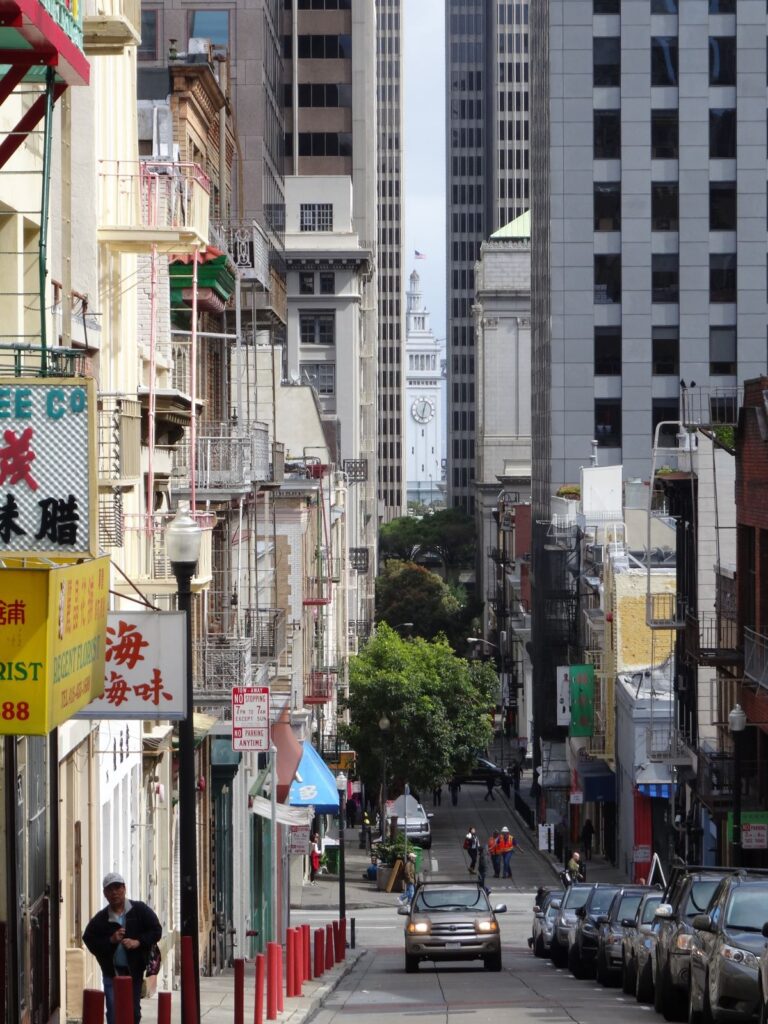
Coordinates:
[303,1013]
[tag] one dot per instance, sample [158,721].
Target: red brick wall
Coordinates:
[752,495]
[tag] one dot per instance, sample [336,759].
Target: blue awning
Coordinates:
[598,781]
[654,779]
[314,784]
[663,790]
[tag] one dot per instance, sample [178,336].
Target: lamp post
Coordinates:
[384,724]
[341,786]
[737,723]
[182,542]
[482,640]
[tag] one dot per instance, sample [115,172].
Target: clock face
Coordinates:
[422,410]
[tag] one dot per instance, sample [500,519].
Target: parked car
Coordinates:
[726,951]
[610,933]
[452,921]
[544,925]
[410,812]
[688,893]
[636,975]
[544,896]
[582,944]
[482,770]
[575,896]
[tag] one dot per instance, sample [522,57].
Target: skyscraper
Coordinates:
[487,186]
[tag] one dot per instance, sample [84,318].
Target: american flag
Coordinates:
[418,255]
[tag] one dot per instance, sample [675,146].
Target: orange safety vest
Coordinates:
[504,843]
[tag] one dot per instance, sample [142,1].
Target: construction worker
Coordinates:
[494,852]
[505,846]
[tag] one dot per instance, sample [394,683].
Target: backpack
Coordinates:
[466,842]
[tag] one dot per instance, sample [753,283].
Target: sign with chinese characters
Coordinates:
[298,840]
[250,718]
[582,700]
[53,621]
[144,667]
[48,471]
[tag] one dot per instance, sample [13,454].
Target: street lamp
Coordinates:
[500,667]
[182,543]
[737,723]
[341,786]
[480,640]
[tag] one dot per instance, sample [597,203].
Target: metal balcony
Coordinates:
[146,537]
[22,359]
[119,441]
[148,203]
[715,778]
[114,25]
[227,464]
[271,306]
[664,610]
[266,629]
[34,31]
[222,662]
[320,687]
[665,743]
[359,559]
[712,640]
[248,248]
[711,407]
[756,657]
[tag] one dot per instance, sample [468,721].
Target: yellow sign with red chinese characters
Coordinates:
[53,622]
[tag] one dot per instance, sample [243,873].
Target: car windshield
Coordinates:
[649,908]
[628,906]
[435,901]
[601,901]
[700,895]
[747,910]
[575,898]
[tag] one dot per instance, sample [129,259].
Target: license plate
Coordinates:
[453,945]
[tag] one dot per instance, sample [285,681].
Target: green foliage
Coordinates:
[438,706]
[449,535]
[569,491]
[406,592]
[401,538]
[391,850]
[726,437]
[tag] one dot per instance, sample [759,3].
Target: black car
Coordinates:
[481,771]
[610,927]
[726,951]
[582,942]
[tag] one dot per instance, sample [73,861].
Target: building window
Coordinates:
[317,328]
[663,6]
[306,283]
[607,351]
[149,35]
[664,134]
[606,60]
[607,134]
[722,6]
[322,377]
[722,134]
[327,282]
[607,206]
[213,25]
[664,206]
[665,351]
[722,277]
[722,60]
[667,411]
[606,6]
[607,279]
[316,217]
[664,60]
[722,206]
[665,277]
[722,351]
[319,47]
[608,422]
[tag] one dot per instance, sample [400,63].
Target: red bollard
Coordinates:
[298,961]
[336,929]
[307,945]
[280,989]
[258,1008]
[93,1006]
[163,1008]
[329,961]
[290,969]
[189,970]
[319,953]
[342,952]
[122,986]
[239,991]
[273,981]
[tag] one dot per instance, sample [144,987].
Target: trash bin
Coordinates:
[332,859]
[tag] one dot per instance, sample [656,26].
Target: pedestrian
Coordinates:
[454,787]
[121,936]
[482,868]
[587,835]
[516,771]
[352,812]
[506,788]
[409,872]
[575,870]
[489,784]
[472,845]
[506,845]
[315,853]
[495,852]
[437,795]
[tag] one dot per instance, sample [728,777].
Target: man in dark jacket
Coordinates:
[121,937]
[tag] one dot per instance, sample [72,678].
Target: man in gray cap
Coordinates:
[121,937]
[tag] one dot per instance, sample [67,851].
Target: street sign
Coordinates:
[298,840]
[250,718]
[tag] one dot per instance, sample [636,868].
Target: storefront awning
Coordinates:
[314,785]
[285,815]
[598,781]
[654,779]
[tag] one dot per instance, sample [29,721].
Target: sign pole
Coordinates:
[273,801]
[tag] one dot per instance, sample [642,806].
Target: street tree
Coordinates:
[407,592]
[436,706]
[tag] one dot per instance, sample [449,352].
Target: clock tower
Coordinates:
[424,404]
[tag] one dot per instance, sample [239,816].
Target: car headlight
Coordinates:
[683,942]
[418,928]
[740,956]
[486,926]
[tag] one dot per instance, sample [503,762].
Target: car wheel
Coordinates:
[411,964]
[763,1009]
[538,947]
[628,977]
[659,993]
[644,992]
[574,962]
[557,954]
[601,972]
[694,1016]
[707,1017]
[674,1006]
[492,962]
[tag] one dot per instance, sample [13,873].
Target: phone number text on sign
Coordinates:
[250,718]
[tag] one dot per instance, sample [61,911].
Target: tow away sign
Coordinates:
[250,718]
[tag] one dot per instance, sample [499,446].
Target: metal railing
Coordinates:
[711,639]
[711,406]
[266,629]
[223,662]
[68,16]
[247,246]
[154,563]
[119,434]
[665,611]
[756,657]
[225,460]
[319,687]
[21,359]
[664,742]
[148,194]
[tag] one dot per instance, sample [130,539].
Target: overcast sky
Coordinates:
[425,152]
